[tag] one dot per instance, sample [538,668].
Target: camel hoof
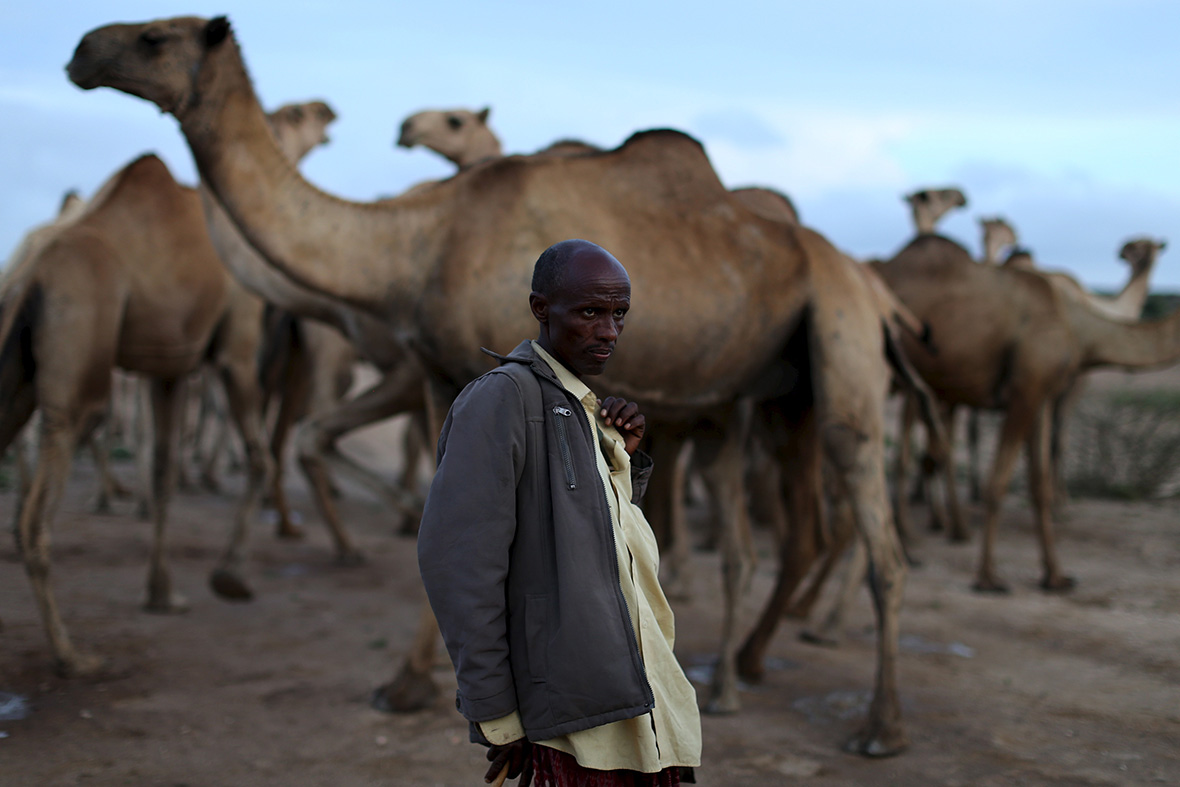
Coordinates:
[750,668]
[229,586]
[102,507]
[959,536]
[991,585]
[1058,584]
[727,702]
[877,744]
[409,526]
[350,558]
[823,640]
[170,604]
[406,694]
[210,484]
[82,665]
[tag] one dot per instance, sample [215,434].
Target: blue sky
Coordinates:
[1064,117]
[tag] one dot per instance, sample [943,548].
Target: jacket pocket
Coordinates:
[560,416]
[536,633]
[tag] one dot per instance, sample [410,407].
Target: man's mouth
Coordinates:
[601,353]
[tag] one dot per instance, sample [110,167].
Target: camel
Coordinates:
[927,206]
[997,235]
[458,135]
[762,309]
[1010,339]
[131,281]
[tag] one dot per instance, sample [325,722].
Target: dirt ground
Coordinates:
[1028,689]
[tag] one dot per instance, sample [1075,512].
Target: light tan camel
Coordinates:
[759,307]
[927,206]
[997,236]
[458,135]
[1009,339]
[132,281]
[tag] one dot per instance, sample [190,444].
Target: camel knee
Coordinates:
[844,446]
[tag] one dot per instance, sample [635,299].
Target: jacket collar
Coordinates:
[525,354]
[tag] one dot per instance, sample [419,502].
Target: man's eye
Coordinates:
[588,312]
[620,313]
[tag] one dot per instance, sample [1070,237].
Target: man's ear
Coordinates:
[539,305]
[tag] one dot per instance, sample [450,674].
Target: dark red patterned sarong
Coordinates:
[553,768]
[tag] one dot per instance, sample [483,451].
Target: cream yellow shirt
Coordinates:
[671,733]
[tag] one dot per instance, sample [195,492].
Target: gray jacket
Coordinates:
[517,553]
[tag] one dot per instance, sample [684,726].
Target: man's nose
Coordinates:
[607,330]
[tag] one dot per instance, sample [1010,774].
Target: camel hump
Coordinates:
[148,170]
[662,136]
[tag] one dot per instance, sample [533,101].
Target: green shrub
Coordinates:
[1126,444]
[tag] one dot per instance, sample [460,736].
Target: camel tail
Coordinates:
[20,313]
[917,388]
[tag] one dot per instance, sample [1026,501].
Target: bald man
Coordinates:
[539,564]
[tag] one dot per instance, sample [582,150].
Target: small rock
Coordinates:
[86,714]
[382,740]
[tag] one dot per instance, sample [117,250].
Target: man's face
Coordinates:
[582,320]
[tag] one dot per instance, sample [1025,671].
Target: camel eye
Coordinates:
[454,122]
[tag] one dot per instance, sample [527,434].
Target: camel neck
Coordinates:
[1137,345]
[355,253]
[1130,300]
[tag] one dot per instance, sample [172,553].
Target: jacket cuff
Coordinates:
[503,730]
[641,465]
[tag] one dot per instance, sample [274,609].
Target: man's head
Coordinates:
[580,297]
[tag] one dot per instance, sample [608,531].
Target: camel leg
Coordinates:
[1062,411]
[797,451]
[724,476]
[1014,432]
[396,392]
[414,449]
[909,410]
[239,376]
[54,457]
[294,402]
[860,463]
[1041,484]
[412,687]
[167,399]
[945,457]
[664,507]
[974,471]
[854,576]
[109,487]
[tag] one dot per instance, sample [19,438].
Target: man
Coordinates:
[541,569]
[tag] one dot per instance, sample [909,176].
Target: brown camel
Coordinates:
[760,307]
[458,135]
[1010,339]
[131,281]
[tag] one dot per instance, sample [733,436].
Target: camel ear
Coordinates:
[1163,244]
[216,31]
[483,114]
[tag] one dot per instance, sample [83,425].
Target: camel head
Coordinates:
[71,204]
[299,128]
[159,61]
[459,135]
[929,205]
[997,234]
[1140,253]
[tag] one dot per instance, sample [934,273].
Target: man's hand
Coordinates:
[518,756]
[625,417]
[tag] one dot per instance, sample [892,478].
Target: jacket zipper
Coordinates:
[567,458]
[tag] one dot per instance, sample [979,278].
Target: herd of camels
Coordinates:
[282,288]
